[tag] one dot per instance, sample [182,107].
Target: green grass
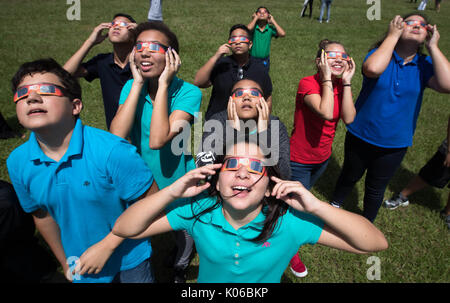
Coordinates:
[419,241]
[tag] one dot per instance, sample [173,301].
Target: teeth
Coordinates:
[241,188]
[146,63]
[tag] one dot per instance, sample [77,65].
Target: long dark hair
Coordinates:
[272,208]
[420,48]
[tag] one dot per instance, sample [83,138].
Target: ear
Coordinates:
[267,193]
[77,106]
[250,44]
[217,186]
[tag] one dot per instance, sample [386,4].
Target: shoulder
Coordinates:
[100,58]
[17,157]
[103,142]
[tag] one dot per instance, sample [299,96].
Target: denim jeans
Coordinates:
[142,273]
[307,174]
[327,4]
[380,164]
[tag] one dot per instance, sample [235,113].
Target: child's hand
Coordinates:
[173,63]
[324,68]
[433,36]
[270,19]
[349,72]
[232,114]
[96,36]
[396,27]
[224,49]
[263,115]
[136,72]
[188,185]
[93,259]
[295,195]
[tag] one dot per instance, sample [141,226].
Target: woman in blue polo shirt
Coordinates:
[249,225]
[395,74]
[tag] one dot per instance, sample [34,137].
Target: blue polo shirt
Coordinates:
[388,107]
[166,164]
[98,177]
[112,79]
[228,255]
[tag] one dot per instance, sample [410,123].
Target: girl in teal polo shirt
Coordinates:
[395,75]
[249,223]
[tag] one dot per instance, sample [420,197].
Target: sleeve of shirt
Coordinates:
[188,99]
[92,68]
[307,86]
[128,172]
[307,227]
[23,194]
[125,91]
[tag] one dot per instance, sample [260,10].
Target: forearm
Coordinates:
[355,230]
[375,65]
[280,31]
[251,26]
[203,74]
[139,216]
[441,67]
[348,111]
[73,65]
[124,118]
[49,230]
[160,125]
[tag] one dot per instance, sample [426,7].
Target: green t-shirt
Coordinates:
[261,41]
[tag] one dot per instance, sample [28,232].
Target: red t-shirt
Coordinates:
[312,137]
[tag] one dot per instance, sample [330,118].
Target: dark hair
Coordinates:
[272,208]
[161,27]
[124,15]
[243,27]
[420,48]
[72,88]
[323,44]
[262,7]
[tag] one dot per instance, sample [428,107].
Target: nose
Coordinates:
[33,97]
[242,173]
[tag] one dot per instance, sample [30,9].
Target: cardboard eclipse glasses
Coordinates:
[253,166]
[152,47]
[238,39]
[40,88]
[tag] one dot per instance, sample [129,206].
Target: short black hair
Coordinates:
[124,15]
[72,88]
[243,27]
[161,27]
[262,7]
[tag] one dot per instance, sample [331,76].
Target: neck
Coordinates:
[239,218]
[261,23]
[122,53]
[152,87]
[407,50]
[242,59]
[53,143]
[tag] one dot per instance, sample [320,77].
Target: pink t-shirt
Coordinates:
[312,137]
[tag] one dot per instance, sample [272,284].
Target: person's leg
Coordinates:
[305,5]
[328,10]
[155,11]
[310,8]
[185,245]
[322,9]
[142,273]
[356,152]
[317,172]
[302,173]
[379,173]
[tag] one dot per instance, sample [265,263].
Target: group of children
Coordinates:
[246,214]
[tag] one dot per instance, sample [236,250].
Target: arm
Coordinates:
[73,65]
[162,126]
[280,31]
[322,105]
[145,218]
[377,62]
[348,111]
[447,158]
[251,26]
[343,230]
[124,118]
[441,80]
[203,74]
[49,230]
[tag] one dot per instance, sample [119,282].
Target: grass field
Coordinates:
[419,241]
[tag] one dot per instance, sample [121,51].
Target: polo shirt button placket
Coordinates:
[236,252]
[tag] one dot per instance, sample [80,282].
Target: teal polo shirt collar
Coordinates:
[217,218]
[266,28]
[173,88]
[399,60]
[75,146]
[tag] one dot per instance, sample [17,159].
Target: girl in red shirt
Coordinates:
[322,99]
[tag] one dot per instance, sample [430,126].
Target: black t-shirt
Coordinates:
[112,79]
[225,74]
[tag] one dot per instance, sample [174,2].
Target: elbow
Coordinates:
[348,120]
[371,71]
[156,144]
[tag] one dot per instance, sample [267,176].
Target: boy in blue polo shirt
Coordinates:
[73,180]
[263,27]
[113,69]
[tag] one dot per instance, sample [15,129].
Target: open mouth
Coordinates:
[146,66]
[36,111]
[240,190]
